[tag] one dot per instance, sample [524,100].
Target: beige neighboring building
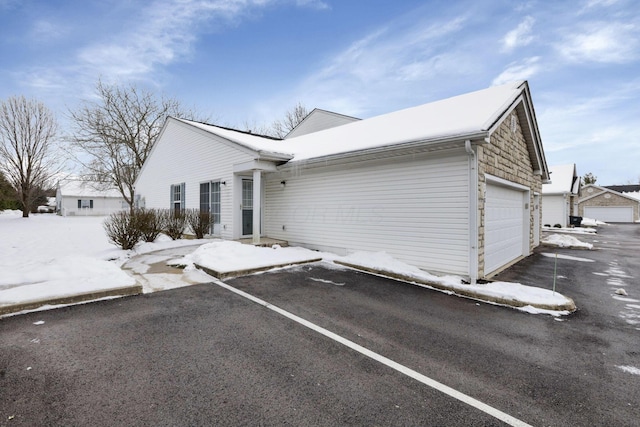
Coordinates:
[608,205]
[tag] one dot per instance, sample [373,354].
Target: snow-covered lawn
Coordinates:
[47,256]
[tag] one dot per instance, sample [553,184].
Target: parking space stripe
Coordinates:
[508,419]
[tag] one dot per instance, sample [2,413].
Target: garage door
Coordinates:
[609,213]
[504,226]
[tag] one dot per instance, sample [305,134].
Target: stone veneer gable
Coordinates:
[506,157]
[613,200]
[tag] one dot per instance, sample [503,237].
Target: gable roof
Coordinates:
[602,190]
[80,188]
[318,120]
[564,180]
[263,146]
[470,116]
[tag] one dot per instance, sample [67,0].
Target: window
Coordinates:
[177,197]
[210,199]
[85,204]
[247,194]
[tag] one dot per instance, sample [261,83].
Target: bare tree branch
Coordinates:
[27,156]
[118,131]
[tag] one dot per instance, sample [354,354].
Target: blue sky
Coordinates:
[248,61]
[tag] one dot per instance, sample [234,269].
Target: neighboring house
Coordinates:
[452,186]
[560,196]
[318,120]
[77,197]
[631,190]
[607,205]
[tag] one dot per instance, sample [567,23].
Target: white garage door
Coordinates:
[609,213]
[504,226]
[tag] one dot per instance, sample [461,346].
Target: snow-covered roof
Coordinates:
[468,116]
[77,188]
[633,194]
[459,116]
[563,180]
[259,143]
[318,120]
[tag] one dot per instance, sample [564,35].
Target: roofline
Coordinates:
[395,146]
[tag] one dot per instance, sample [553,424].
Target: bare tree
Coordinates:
[280,128]
[27,155]
[118,131]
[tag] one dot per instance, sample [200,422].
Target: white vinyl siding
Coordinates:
[189,155]
[609,213]
[416,208]
[504,226]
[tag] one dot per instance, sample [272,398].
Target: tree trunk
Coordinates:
[25,212]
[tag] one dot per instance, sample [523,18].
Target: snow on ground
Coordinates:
[630,369]
[502,290]
[575,230]
[564,241]
[590,222]
[227,256]
[47,256]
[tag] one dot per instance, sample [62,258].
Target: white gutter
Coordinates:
[473,212]
[453,140]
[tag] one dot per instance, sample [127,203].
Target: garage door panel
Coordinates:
[609,213]
[504,226]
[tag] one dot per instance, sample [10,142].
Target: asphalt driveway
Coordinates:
[203,355]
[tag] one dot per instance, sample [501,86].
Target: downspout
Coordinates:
[473,212]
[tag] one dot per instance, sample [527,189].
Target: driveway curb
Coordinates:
[227,274]
[72,299]
[569,306]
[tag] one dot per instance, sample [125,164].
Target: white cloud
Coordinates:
[46,31]
[520,36]
[383,63]
[522,70]
[610,42]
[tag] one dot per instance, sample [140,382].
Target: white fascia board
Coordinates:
[255,165]
[431,144]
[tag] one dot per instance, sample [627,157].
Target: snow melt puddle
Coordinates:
[569,257]
[629,369]
[315,279]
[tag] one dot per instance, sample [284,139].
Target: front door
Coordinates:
[247,207]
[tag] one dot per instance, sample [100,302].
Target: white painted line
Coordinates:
[508,419]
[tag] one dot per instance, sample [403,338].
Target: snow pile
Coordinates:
[505,291]
[564,241]
[228,256]
[590,222]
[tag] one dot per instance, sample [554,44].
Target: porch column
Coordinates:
[257,204]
